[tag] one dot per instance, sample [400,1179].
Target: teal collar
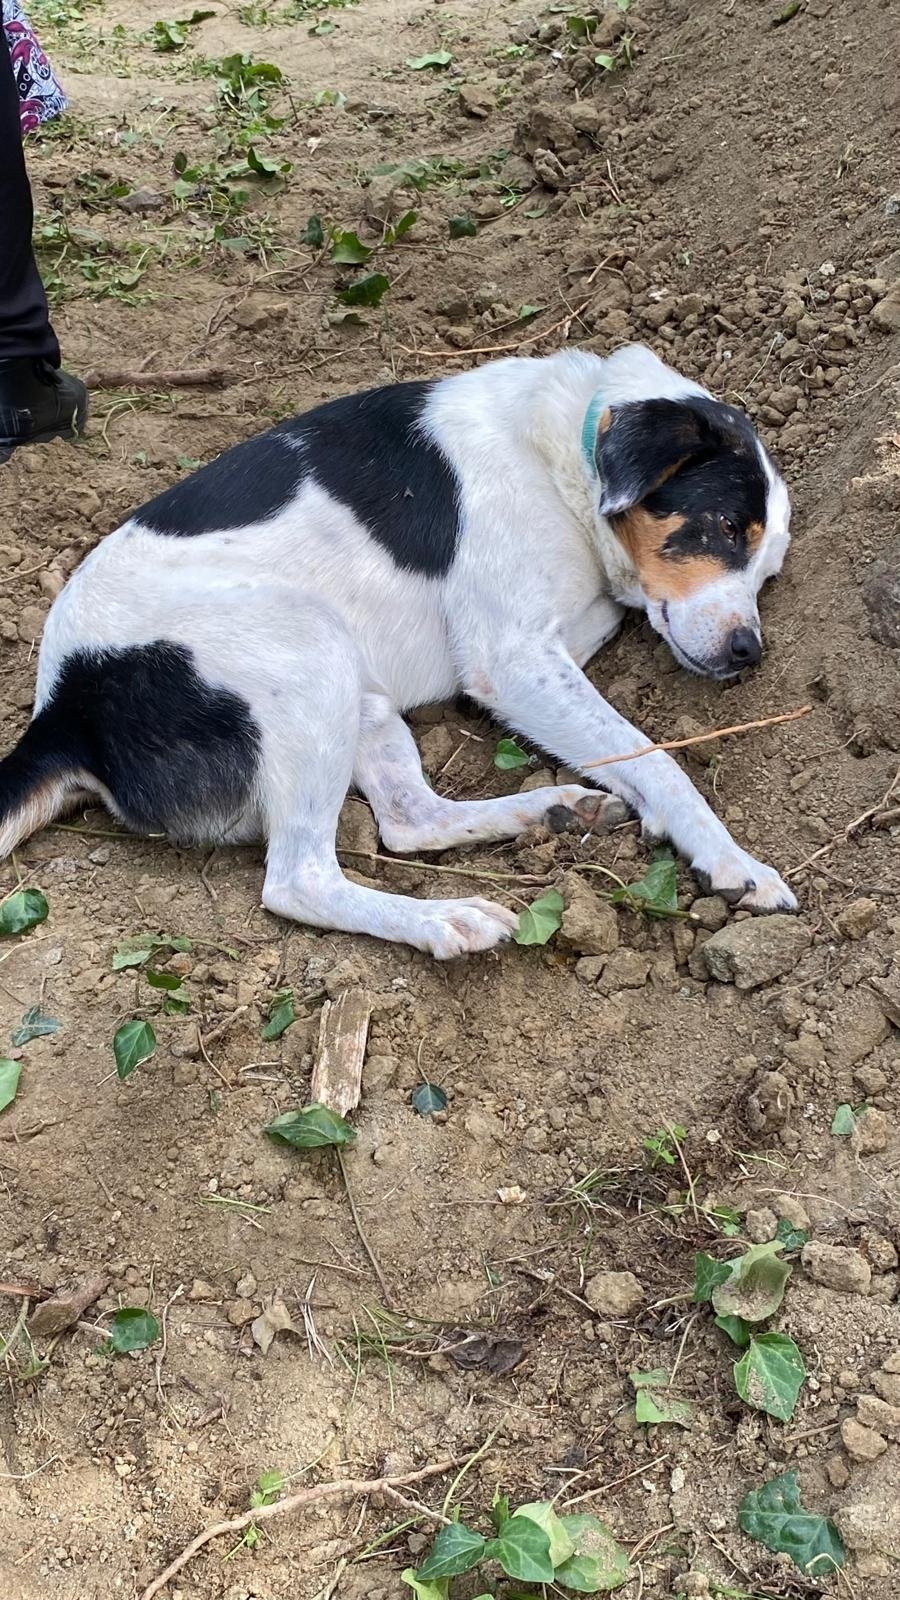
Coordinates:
[589,432]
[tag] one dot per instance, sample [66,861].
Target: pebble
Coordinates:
[887,1386]
[614,1294]
[874,1412]
[757,951]
[881,598]
[625,969]
[241,1311]
[871,1133]
[589,925]
[761,1225]
[793,1212]
[476,102]
[872,1524]
[861,1444]
[836,1467]
[857,919]
[711,911]
[886,314]
[837,1267]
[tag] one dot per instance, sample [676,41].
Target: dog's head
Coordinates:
[701,516]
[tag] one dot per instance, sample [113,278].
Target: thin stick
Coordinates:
[185,378]
[31,1291]
[495,349]
[357,1222]
[850,829]
[165,1341]
[17,1327]
[692,1193]
[531,879]
[344,1488]
[700,738]
[613,1483]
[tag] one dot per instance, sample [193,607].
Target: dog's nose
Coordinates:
[744,648]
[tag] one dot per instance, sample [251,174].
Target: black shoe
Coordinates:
[37,403]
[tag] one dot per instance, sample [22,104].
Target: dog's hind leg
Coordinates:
[412,817]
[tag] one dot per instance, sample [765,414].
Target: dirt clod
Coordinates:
[614,1294]
[837,1267]
[757,951]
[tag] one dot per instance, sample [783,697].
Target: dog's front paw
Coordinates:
[745,883]
[591,809]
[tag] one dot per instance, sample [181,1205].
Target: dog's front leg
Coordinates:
[536,686]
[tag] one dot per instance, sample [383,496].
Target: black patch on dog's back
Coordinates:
[367,450]
[176,754]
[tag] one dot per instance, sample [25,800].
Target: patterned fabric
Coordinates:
[40,94]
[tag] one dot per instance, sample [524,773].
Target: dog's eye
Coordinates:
[728,530]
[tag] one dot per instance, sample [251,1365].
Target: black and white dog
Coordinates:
[233,658]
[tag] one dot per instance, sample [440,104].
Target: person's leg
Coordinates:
[37,401]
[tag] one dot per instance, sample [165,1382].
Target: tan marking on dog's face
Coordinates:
[755,532]
[660,576]
[605,423]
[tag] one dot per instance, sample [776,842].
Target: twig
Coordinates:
[31,1291]
[165,1341]
[209,1061]
[395,1498]
[7,1344]
[357,1222]
[700,738]
[168,378]
[846,833]
[613,1483]
[692,1193]
[344,1488]
[532,879]
[495,349]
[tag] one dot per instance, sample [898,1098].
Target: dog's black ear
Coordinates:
[641,443]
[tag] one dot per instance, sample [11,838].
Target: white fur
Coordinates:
[309,620]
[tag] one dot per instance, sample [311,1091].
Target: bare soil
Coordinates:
[729,196]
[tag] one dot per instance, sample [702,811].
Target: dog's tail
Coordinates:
[40,778]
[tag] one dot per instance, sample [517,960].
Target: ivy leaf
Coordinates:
[775,1516]
[170,981]
[266,166]
[427,1099]
[22,911]
[708,1274]
[541,1512]
[136,952]
[656,893]
[653,1401]
[426,1591]
[368,291]
[34,1025]
[599,1563]
[508,755]
[10,1072]
[843,1122]
[313,233]
[176,1005]
[523,1550]
[462,227]
[168,36]
[132,1329]
[348,250]
[540,921]
[771,1374]
[738,1331]
[437,60]
[525,313]
[607,62]
[456,1549]
[398,229]
[500,1511]
[792,1238]
[133,1043]
[754,1288]
[281,1014]
[312,1128]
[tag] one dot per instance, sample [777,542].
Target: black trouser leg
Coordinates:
[24,319]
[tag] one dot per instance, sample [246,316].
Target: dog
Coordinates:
[237,655]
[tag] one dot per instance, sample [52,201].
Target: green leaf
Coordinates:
[313,233]
[427,1099]
[163,980]
[310,1129]
[270,1485]
[607,62]
[775,1516]
[10,1072]
[708,1274]
[436,59]
[500,1511]
[323,28]
[656,893]
[426,1591]
[176,1005]
[136,952]
[540,921]
[456,1549]
[844,1122]
[599,1563]
[21,911]
[132,1329]
[348,250]
[368,291]
[792,1238]
[168,36]
[738,1331]
[398,229]
[281,1014]
[562,1546]
[462,227]
[525,313]
[266,166]
[133,1043]
[771,1374]
[34,1025]
[754,1288]
[654,1403]
[508,755]
[523,1550]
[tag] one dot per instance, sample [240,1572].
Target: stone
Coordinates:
[870,1134]
[861,1444]
[837,1267]
[614,1294]
[886,314]
[793,1212]
[258,311]
[887,993]
[240,1312]
[887,1386]
[891,1363]
[881,598]
[836,1467]
[589,925]
[871,1524]
[871,1080]
[857,919]
[860,1026]
[625,969]
[201,1290]
[141,201]
[873,1412]
[711,911]
[880,1251]
[761,1225]
[769,1103]
[476,102]
[436,746]
[757,951]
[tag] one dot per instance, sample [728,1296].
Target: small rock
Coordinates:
[357,832]
[201,1290]
[836,1467]
[625,969]
[891,1363]
[711,911]
[857,919]
[873,1412]
[887,1385]
[476,102]
[887,993]
[756,951]
[549,170]
[693,1585]
[881,598]
[141,201]
[871,1133]
[837,1267]
[589,924]
[879,1250]
[436,746]
[886,314]
[240,1312]
[793,1212]
[761,1225]
[245,1288]
[258,311]
[871,1524]
[860,1027]
[861,1444]
[614,1294]
[769,1103]
[871,1080]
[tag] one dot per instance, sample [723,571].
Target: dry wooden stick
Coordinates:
[700,738]
[496,349]
[169,378]
[363,1237]
[343,1030]
[344,1488]
[873,813]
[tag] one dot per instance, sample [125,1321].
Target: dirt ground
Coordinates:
[727,191]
